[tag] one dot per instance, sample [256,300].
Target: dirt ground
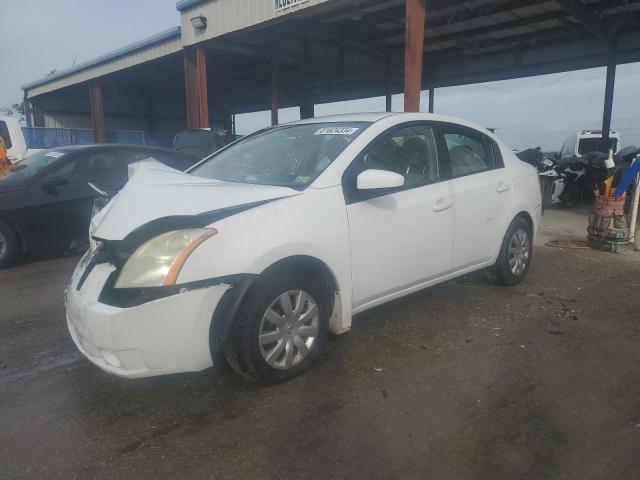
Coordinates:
[466,380]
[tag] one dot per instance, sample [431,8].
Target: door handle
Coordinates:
[442,204]
[503,187]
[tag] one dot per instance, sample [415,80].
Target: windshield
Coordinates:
[595,145]
[291,156]
[29,167]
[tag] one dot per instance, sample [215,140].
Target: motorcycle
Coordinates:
[572,175]
[569,179]
[550,179]
[593,172]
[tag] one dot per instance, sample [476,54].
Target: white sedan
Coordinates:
[263,248]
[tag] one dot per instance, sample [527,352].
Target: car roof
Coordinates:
[373,117]
[398,117]
[346,117]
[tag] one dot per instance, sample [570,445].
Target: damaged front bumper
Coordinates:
[170,334]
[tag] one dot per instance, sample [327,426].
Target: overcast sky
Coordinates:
[37,36]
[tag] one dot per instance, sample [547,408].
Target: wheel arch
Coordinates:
[519,213]
[527,216]
[225,314]
[311,264]
[19,233]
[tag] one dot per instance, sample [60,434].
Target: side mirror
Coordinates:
[377,179]
[50,185]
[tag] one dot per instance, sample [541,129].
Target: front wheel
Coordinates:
[280,329]
[9,247]
[515,253]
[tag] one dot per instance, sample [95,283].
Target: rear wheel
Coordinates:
[9,247]
[280,329]
[515,253]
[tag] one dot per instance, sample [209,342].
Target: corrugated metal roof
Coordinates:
[334,48]
[121,52]
[184,4]
[226,16]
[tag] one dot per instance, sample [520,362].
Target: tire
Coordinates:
[513,250]
[570,196]
[296,344]
[9,246]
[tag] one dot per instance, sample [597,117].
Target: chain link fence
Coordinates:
[39,137]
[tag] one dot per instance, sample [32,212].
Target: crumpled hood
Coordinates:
[155,192]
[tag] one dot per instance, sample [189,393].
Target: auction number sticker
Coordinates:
[336,131]
[282,4]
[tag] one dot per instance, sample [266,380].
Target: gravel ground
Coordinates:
[463,381]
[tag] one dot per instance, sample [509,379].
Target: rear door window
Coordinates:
[99,166]
[470,151]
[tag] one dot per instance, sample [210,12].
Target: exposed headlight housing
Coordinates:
[158,262]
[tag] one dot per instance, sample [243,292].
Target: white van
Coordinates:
[14,140]
[588,141]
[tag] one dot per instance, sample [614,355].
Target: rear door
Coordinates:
[482,191]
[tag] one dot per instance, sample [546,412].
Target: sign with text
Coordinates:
[283,4]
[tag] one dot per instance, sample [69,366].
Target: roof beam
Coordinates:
[481,11]
[498,27]
[586,18]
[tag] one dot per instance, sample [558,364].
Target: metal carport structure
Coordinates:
[238,56]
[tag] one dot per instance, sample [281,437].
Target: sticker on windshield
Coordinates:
[302,179]
[337,131]
[54,154]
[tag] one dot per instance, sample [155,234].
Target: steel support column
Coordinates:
[307,109]
[148,101]
[608,98]
[195,80]
[26,106]
[432,94]
[306,102]
[97,113]
[388,97]
[413,53]
[38,115]
[274,88]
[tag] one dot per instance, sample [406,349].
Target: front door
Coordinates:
[60,203]
[403,237]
